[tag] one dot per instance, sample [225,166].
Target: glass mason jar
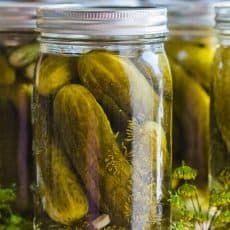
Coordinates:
[102,119]
[18,53]
[220,105]
[190,48]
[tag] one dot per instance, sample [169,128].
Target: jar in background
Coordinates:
[102,119]
[18,53]
[220,105]
[190,48]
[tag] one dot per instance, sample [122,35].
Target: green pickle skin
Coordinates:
[220,119]
[97,69]
[191,62]
[65,201]
[92,160]
[109,138]
[15,123]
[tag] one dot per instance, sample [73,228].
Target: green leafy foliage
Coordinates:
[185,195]
[8,219]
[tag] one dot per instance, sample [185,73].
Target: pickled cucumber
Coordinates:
[155,68]
[221,89]
[16,167]
[7,73]
[146,138]
[149,151]
[159,77]
[29,71]
[18,94]
[195,57]
[54,72]
[191,109]
[63,198]
[24,55]
[92,147]
[219,154]
[62,195]
[116,82]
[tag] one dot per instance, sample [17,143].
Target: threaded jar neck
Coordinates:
[16,16]
[184,13]
[223,22]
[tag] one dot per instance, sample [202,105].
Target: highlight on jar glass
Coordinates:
[220,106]
[18,53]
[102,119]
[191,48]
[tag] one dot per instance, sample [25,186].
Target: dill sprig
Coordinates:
[182,197]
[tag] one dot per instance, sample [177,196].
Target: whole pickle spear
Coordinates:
[191,109]
[91,145]
[151,159]
[150,144]
[29,71]
[221,88]
[62,195]
[18,94]
[7,73]
[159,77]
[24,55]
[118,86]
[54,72]
[195,57]
[155,68]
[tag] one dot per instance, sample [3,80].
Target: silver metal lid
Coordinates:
[112,3]
[193,13]
[69,20]
[223,17]
[17,16]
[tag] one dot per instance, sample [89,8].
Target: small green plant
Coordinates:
[217,216]
[8,219]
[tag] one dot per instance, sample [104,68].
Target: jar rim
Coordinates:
[19,16]
[16,16]
[101,21]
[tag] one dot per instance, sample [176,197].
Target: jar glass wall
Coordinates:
[102,123]
[18,54]
[220,106]
[191,48]
[191,61]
